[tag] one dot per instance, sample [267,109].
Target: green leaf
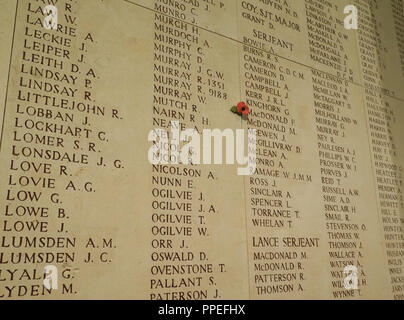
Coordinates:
[234,109]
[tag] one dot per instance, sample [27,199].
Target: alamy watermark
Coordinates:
[50,280]
[189,147]
[50,22]
[351,20]
[351,278]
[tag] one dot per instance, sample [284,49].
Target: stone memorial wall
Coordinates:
[84,214]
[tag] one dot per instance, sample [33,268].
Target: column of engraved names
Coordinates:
[51,140]
[381,118]
[333,101]
[33,224]
[180,210]
[278,255]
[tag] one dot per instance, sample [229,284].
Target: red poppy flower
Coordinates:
[242,109]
